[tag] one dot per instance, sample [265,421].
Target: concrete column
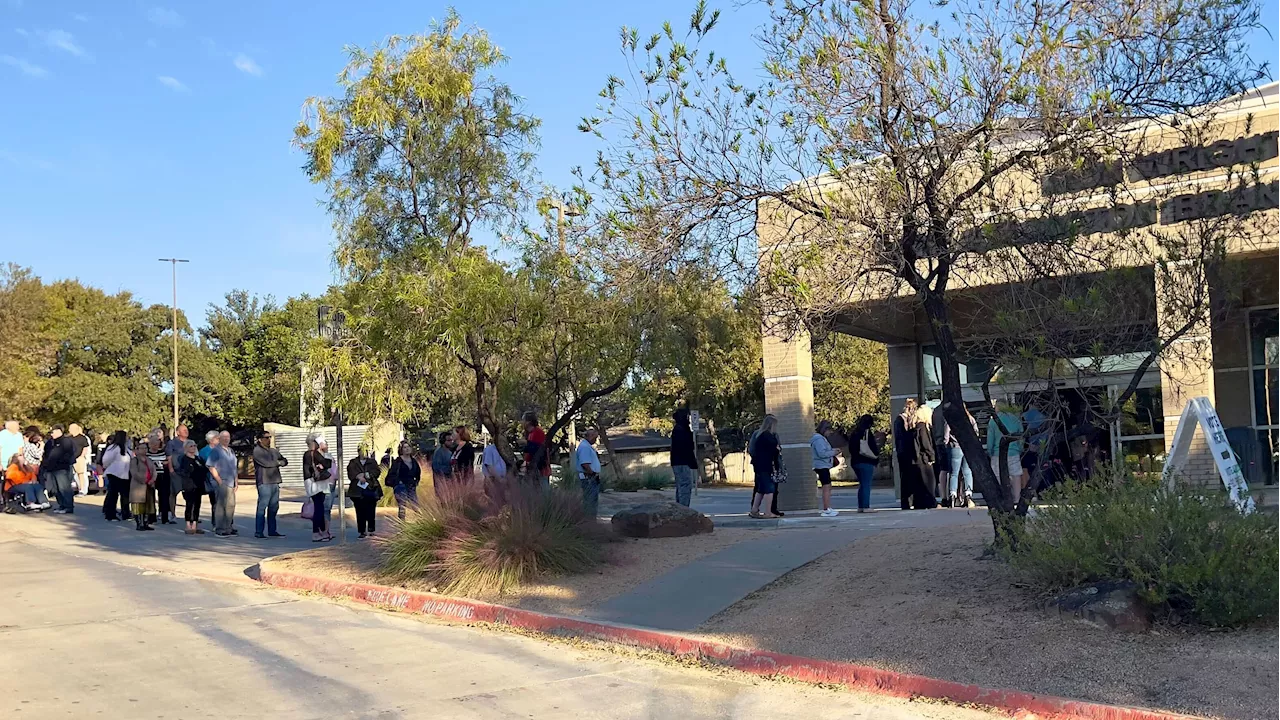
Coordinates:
[788,396]
[904,382]
[1186,372]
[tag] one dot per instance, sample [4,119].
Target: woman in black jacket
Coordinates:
[926,452]
[364,490]
[192,476]
[766,458]
[864,446]
[913,491]
[403,477]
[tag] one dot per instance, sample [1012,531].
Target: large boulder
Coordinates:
[1111,605]
[660,520]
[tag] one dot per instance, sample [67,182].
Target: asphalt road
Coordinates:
[117,634]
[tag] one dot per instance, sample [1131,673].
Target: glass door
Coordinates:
[1137,434]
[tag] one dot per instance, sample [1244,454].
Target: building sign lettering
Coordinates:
[1099,173]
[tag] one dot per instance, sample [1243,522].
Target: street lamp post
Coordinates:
[173,262]
[331,324]
[563,210]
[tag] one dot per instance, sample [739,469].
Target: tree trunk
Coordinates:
[999,505]
[608,448]
[716,453]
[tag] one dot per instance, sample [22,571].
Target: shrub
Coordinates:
[467,546]
[654,480]
[626,483]
[1191,555]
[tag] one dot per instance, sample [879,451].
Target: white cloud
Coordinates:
[244,63]
[61,40]
[80,17]
[25,67]
[164,17]
[173,83]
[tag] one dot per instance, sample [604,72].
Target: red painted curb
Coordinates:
[756,662]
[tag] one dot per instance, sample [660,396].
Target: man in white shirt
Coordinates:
[587,460]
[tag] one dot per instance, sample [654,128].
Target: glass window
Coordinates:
[1263,340]
[1143,456]
[1266,398]
[1143,413]
[1269,440]
[971,371]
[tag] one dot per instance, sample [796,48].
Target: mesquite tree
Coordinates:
[885,156]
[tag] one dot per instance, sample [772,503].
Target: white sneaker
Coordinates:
[829,513]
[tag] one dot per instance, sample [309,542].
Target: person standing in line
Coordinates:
[442,463]
[766,460]
[163,488]
[684,459]
[494,470]
[959,475]
[11,444]
[824,457]
[115,468]
[206,456]
[537,459]
[941,432]
[1013,424]
[222,469]
[192,477]
[142,490]
[926,457]
[317,480]
[464,456]
[587,461]
[267,462]
[173,452]
[403,477]
[864,447]
[82,450]
[751,453]
[59,458]
[912,489]
[364,490]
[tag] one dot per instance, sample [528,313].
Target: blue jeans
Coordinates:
[32,491]
[959,467]
[590,494]
[865,472]
[684,484]
[61,482]
[268,505]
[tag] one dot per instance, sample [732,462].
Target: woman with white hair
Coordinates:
[191,476]
[210,447]
[913,492]
[766,461]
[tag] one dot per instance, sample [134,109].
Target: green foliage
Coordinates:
[1194,556]
[467,547]
[850,379]
[625,483]
[656,480]
[263,345]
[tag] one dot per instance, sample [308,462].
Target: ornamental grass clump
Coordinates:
[466,545]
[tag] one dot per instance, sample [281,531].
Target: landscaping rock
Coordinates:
[1112,605]
[660,520]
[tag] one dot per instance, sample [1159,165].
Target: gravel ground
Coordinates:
[927,602]
[630,562]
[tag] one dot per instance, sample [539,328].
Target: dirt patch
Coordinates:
[928,602]
[630,562]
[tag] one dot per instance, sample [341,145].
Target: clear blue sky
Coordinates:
[131,131]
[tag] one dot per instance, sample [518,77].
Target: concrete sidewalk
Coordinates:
[684,598]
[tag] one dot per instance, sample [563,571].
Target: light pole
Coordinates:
[563,210]
[173,262]
[331,324]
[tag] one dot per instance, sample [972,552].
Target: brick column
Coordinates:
[1186,372]
[788,396]
[904,382]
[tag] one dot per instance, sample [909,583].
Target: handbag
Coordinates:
[308,509]
[779,473]
[864,449]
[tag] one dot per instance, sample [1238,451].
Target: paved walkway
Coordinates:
[684,598]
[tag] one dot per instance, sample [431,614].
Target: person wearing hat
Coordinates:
[267,462]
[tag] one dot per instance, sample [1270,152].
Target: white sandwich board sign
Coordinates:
[1200,412]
